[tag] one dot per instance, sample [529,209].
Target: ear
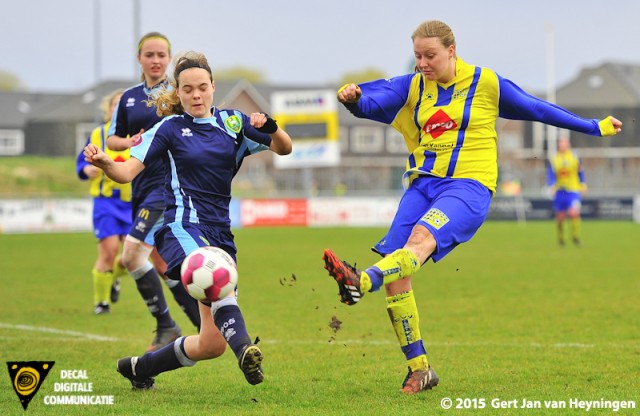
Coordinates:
[452,51]
[213,85]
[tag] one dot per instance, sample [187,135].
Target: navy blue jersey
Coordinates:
[201,156]
[131,115]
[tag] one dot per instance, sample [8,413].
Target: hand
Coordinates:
[136,139]
[94,155]
[350,93]
[617,124]
[263,123]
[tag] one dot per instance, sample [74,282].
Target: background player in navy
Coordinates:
[132,117]
[111,213]
[447,112]
[202,148]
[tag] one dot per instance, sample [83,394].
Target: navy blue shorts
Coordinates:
[176,240]
[451,209]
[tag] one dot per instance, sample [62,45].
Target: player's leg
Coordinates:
[186,302]
[230,321]
[183,352]
[455,215]
[574,216]
[398,262]
[560,206]
[135,256]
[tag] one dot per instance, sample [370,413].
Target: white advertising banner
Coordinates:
[45,215]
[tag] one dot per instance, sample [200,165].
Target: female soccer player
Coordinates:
[131,118]
[447,113]
[202,148]
[111,212]
[565,176]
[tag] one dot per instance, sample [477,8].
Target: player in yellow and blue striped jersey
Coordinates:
[447,112]
[111,213]
[565,176]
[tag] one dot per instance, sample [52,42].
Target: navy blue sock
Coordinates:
[231,324]
[187,303]
[167,358]
[150,289]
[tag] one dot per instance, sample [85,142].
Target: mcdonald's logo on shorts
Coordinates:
[143,213]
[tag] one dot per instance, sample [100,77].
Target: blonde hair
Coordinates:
[167,101]
[106,104]
[435,29]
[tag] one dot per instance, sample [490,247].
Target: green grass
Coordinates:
[41,176]
[508,316]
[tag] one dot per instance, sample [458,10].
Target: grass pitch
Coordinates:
[507,317]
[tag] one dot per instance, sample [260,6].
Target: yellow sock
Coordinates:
[575,228]
[101,286]
[118,270]
[397,265]
[403,313]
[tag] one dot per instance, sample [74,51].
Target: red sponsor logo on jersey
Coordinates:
[119,158]
[439,123]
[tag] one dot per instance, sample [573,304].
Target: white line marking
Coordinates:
[92,337]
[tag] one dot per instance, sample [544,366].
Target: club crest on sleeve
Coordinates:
[233,123]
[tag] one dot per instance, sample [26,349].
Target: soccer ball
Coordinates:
[209,274]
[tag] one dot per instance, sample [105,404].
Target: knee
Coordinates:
[212,348]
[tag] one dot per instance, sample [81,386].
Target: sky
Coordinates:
[67,46]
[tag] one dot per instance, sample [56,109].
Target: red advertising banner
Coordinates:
[273,212]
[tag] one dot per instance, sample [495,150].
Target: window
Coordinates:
[395,142]
[11,142]
[367,140]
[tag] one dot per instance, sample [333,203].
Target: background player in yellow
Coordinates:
[565,176]
[111,213]
[447,112]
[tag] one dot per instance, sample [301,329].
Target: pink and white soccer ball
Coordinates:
[209,274]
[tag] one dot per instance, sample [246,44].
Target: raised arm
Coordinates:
[121,172]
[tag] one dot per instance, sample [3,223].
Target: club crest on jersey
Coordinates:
[435,218]
[438,124]
[233,123]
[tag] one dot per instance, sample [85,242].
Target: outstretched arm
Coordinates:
[121,172]
[516,104]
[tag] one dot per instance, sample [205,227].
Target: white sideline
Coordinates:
[92,337]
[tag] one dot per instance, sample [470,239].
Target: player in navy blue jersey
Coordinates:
[202,148]
[132,117]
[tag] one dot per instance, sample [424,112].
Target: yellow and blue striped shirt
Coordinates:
[449,129]
[101,185]
[565,172]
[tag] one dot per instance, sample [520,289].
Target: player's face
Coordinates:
[154,58]
[195,91]
[436,62]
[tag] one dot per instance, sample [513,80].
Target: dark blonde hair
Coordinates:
[167,101]
[105,104]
